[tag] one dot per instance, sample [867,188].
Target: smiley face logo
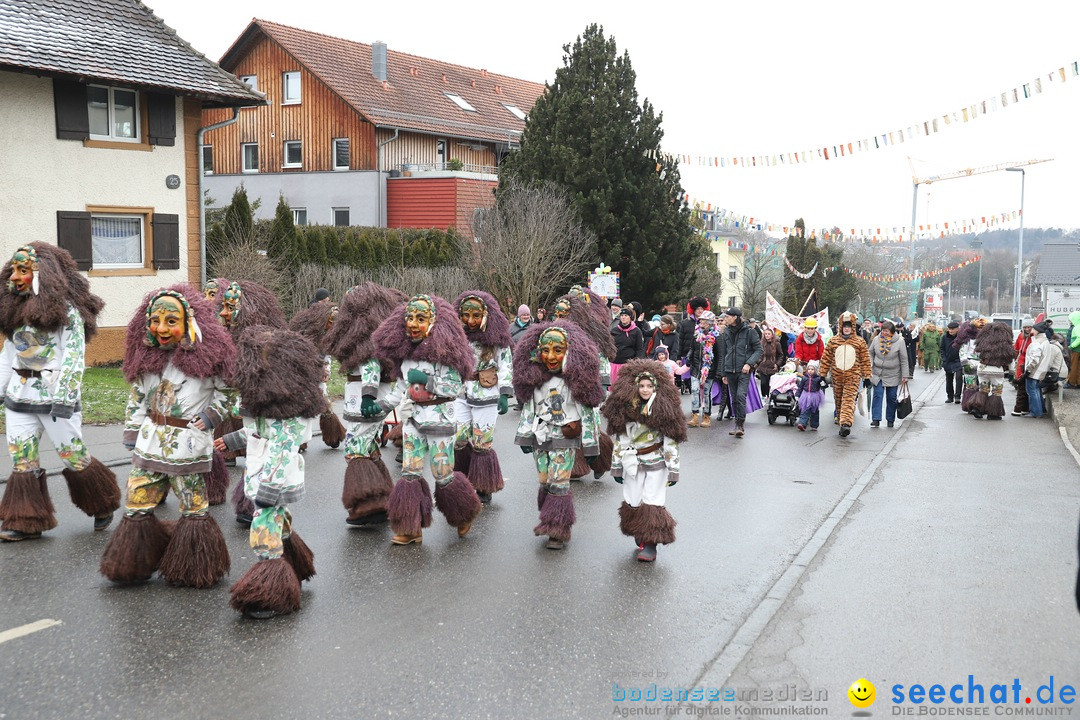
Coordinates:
[862,693]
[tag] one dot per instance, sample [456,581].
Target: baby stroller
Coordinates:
[782,404]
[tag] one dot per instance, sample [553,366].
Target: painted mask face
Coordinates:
[23,267]
[166,322]
[645,388]
[561,309]
[419,317]
[553,344]
[230,305]
[211,290]
[332,318]
[472,314]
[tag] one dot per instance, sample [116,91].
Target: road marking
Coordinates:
[717,672]
[33,627]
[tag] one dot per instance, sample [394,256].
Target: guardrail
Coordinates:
[446,167]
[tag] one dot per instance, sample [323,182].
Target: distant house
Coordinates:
[102,103]
[1059,276]
[358,134]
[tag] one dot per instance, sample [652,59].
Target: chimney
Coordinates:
[378,60]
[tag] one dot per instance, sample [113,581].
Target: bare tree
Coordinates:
[530,246]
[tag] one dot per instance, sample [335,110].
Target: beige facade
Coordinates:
[731,264]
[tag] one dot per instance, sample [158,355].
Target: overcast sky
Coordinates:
[763,78]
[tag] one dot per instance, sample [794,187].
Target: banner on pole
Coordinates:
[781,320]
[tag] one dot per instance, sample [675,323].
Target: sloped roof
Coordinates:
[1059,264]
[413,97]
[116,41]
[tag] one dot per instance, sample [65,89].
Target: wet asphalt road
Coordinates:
[491,626]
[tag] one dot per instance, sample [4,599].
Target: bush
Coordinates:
[446,282]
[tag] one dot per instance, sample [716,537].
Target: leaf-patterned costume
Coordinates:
[367,480]
[476,411]
[647,462]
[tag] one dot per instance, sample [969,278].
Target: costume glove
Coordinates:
[527,449]
[504,405]
[369,407]
[417,377]
[617,478]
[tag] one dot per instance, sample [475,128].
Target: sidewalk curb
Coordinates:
[717,672]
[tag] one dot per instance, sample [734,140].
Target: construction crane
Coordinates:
[916,181]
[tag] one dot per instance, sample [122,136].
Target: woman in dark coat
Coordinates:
[772,355]
[629,341]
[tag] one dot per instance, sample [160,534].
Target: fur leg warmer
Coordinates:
[299,556]
[648,524]
[463,455]
[135,548]
[197,555]
[966,398]
[541,495]
[602,464]
[367,487]
[409,507]
[217,480]
[241,502]
[333,432]
[93,489]
[268,585]
[978,402]
[994,406]
[581,465]
[457,500]
[26,505]
[557,516]
[484,472]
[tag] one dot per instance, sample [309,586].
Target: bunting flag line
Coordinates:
[901,277]
[796,273]
[931,126]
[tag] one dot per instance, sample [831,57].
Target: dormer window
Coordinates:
[460,102]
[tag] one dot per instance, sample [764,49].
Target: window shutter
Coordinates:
[161,119]
[166,241]
[73,235]
[72,116]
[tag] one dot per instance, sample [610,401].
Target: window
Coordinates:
[290,91]
[731,301]
[250,155]
[299,216]
[460,101]
[515,111]
[117,241]
[293,154]
[114,113]
[732,272]
[341,216]
[208,160]
[440,153]
[252,81]
[341,153]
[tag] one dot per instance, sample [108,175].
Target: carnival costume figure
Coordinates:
[969,360]
[239,305]
[486,396]
[930,343]
[994,346]
[46,315]
[557,382]
[587,310]
[848,359]
[644,414]
[367,481]
[314,322]
[278,373]
[177,361]
[429,357]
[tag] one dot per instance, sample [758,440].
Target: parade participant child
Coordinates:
[46,315]
[486,395]
[994,345]
[848,359]
[367,481]
[557,382]
[425,346]
[703,352]
[314,322]
[644,415]
[177,359]
[278,373]
[672,366]
[809,344]
[811,394]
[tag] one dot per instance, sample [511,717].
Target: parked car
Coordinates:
[1008,318]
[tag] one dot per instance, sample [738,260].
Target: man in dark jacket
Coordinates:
[696,306]
[950,361]
[741,351]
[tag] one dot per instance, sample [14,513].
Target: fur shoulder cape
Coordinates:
[361,311]
[445,345]
[258,306]
[994,343]
[59,284]
[278,374]
[623,405]
[966,332]
[595,324]
[213,356]
[581,369]
[311,322]
[497,333]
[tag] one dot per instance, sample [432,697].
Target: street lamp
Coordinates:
[1019,251]
[976,245]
